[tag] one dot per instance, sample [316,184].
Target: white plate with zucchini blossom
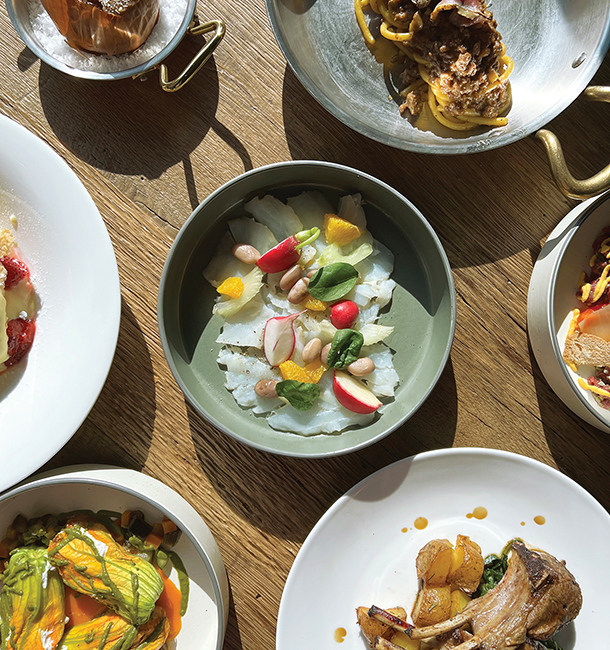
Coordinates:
[363,549]
[268,327]
[103,488]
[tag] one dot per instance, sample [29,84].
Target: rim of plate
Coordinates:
[165,343]
[99,475]
[551,311]
[40,454]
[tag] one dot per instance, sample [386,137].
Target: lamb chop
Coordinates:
[536,597]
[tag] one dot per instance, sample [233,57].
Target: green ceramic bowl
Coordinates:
[422,310]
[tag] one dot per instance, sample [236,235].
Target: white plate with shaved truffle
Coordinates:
[567,309]
[60,303]
[411,543]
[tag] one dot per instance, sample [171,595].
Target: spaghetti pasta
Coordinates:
[452,57]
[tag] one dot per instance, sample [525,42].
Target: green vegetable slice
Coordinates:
[300,395]
[333,281]
[345,348]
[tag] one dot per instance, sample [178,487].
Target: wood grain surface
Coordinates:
[148,158]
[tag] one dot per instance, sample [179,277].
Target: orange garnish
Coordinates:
[310,374]
[340,231]
[313,304]
[232,287]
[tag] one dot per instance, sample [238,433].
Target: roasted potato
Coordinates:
[432,605]
[467,565]
[372,628]
[434,562]
[404,641]
[459,600]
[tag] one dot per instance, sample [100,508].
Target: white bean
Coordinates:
[312,350]
[299,292]
[245,253]
[266,388]
[291,277]
[361,367]
[324,353]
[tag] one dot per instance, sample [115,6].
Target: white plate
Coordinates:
[45,398]
[113,488]
[358,554]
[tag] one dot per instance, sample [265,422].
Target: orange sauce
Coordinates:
[340,634]
[81,608]
[420,523]
[478,513]
[523,523]
[404,530]
[539,519]
[169,600]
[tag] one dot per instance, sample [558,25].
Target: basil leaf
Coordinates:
[345,348]
[300,395]
[333,281]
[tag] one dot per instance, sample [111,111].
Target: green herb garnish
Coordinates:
[300,395]
[333,281]
[345,348]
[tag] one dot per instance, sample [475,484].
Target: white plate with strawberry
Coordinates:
[61,319]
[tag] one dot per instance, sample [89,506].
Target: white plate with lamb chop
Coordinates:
[363,550]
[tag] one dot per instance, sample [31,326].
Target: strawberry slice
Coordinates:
[16,270]
[20,338]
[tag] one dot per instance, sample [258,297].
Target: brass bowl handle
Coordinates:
[196,28]
[570,186]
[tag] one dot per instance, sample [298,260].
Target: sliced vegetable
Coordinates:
[232,287]
[375,333]
[287,252]
[354,395]
[343,314]
[333,281]
[252,285]
[345,348]
[340,231]
[279,339]
[333,253]
[300,395]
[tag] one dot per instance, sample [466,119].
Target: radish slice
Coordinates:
[596,321]
[279,338]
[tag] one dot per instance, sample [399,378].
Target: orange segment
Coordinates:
[232,287]
[313,304]
[310,374]
[340,231]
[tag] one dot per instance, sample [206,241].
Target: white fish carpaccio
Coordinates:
[242,333]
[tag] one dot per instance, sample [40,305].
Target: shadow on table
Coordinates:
[497,228]
[133,127]
[120,426]
[286,496]
[580,450]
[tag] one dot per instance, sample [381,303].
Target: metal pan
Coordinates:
[557,46]
[19,13]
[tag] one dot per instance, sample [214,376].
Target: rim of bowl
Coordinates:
[43,55]
[551,302]
[71,474]
[161,318]
[481,143]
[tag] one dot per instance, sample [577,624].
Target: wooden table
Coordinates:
[148,158]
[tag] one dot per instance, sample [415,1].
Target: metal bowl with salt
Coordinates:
[176,18]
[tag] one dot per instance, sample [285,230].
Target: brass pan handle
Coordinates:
[570,186]
[195,28]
